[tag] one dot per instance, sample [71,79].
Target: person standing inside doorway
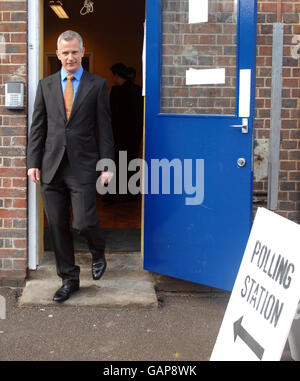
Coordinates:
[71,131]
[126,103]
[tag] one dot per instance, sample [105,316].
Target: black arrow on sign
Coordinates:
[247,338]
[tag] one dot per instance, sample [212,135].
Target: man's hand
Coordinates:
[34,175]
[106,177]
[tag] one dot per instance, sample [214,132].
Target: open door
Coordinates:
[200,77]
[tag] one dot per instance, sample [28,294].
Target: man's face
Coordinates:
[118,80]
[70,55]
[115,79]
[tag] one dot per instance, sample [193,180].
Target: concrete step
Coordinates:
[124,284]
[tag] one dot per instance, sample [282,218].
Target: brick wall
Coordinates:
[13,124]
[203,46]
[212,45]
[13,132]
[289,186]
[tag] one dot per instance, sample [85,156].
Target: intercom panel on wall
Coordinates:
[14,95]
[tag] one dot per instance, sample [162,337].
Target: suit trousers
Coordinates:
[64,191]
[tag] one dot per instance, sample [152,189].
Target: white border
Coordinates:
[245,93]
[33,78]
[205,76]
[198,11]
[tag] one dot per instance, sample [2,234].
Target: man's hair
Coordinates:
[70,35]
[119,69]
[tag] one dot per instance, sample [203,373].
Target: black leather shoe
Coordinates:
[65,291]
[98,268]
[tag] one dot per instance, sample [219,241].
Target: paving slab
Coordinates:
[124,284]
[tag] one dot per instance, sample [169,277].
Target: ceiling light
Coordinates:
[57,7]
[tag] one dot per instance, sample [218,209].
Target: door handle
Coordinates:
[243,126]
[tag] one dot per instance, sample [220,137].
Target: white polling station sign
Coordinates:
[265,295]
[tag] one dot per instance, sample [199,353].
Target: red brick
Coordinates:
[288,165]
[268,7]
[13,5]
[7,264]
[16,131]
[286,205]
[294,176]
[6,183]
[18,59]
[15,121]
[19,141]
[19,162]
[20,203]
[19,264]
[16,48]
[19,16]
[265,50]
[287,7]
[7,223]
[8,203]
[12,253]
[12,192]
[289,18]
[10,213]
[10,27]
[6,16]
[20,223]
[12,151]
[12,274]
[20,182]
[12,172]
[19,37]
[20,243]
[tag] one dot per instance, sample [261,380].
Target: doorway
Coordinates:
[111,33]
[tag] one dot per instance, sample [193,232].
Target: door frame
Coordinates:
[35,53]
[35,71]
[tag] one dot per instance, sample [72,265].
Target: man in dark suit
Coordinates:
[70,131]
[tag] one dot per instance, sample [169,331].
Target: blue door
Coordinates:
[200,73]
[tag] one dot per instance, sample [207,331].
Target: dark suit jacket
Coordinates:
[126,104]
[87,135]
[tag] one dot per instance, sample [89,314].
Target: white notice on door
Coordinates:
[205,76]
[245,93]
[198,11]
[266,292]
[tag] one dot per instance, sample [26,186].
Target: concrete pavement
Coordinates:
[183,327]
